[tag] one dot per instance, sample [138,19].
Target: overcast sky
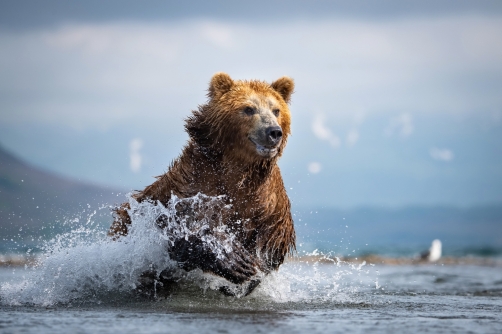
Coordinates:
[395,103]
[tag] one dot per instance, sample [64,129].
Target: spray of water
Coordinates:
[85,264]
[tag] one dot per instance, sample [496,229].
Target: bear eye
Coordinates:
[249,111]
[276,112]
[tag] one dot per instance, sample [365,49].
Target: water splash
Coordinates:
[86,265]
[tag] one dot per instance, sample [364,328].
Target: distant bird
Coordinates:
[434,253]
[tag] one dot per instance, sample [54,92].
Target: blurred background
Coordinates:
[397,112]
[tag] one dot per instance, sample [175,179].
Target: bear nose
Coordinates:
[274,133]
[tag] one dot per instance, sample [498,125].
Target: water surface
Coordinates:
[301,297]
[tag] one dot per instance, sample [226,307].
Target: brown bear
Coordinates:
[236,139]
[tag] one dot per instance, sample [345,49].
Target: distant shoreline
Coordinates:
[399,261]
[19,260]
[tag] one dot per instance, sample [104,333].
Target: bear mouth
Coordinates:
[266,151]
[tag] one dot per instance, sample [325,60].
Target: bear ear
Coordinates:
[220,84]
[284,86]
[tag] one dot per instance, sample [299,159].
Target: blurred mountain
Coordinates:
[34,201]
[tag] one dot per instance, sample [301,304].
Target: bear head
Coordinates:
[246,121]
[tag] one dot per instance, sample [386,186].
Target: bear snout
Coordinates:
[274,134]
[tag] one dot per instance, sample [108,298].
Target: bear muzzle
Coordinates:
[268,142]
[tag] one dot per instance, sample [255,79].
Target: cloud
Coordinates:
[401,125]
[352,137]
[93,75]
[135,158]
[314,167]
[218,34]
[441,154]
[322,132]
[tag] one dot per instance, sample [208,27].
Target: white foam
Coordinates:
[317,281]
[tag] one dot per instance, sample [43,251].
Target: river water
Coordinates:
[86,283]
[301,297]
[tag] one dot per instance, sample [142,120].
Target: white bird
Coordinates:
[434,253]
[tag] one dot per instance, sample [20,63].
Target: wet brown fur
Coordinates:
[220,160]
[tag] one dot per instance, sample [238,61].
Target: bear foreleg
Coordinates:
[237,266]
